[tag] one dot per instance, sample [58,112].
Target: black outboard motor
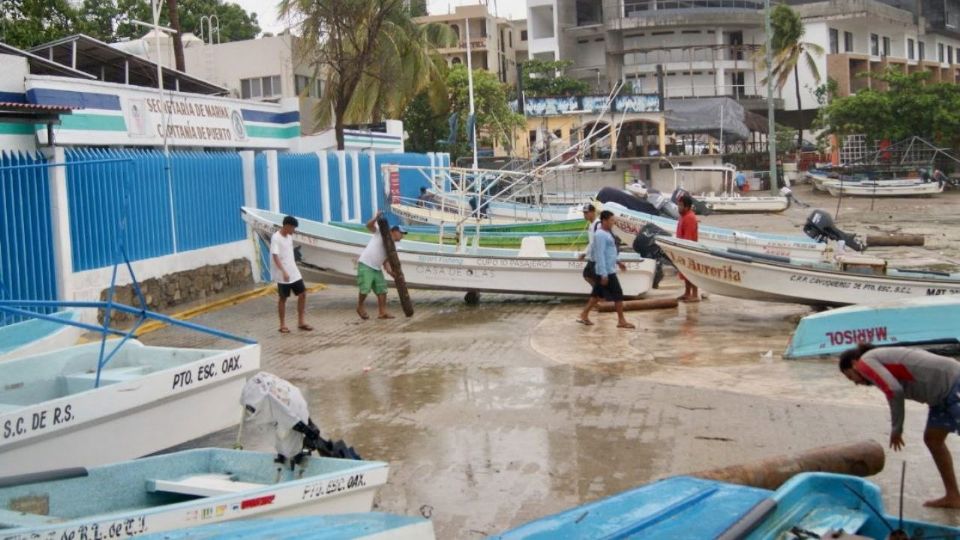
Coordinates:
[821,228]
[699,207]
[645,244]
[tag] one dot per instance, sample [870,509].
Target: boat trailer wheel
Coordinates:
[472,298]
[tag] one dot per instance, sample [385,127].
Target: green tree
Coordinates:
[426,126]
[911,105]
[28,23]
[545,78]
[788,50]
[495,121]
[236,24]
[374,60]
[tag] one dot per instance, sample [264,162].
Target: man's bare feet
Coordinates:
[363,314]
[385,316]
[944,502]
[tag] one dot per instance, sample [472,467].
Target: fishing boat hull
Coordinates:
[36,336]
[437,216]
[140,408]
[329,251]
[758,277]
[919,321]
[184,489]
[627,223]
[926,189]
[370,526]
[512,211]
[745,205]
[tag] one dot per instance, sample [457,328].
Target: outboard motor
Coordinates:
[269,399]
[699,207]
[645,244]
[625,199]
[663,204]
[821,228]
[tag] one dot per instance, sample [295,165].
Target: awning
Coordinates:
[711,116]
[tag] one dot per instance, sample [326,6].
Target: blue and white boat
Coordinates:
[179,490]
[54,412]
[917,321]
[35,336]
[371,525]
[808,506]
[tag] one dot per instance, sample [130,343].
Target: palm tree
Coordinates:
[788,50]
[372,57]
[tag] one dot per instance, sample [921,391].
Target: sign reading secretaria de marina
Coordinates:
[116,114]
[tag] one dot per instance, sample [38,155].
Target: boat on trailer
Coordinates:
[181,489]
[35,336]
[327,250]
[851,279]
[809,505]
[918,321]
[58,410]
[365,526]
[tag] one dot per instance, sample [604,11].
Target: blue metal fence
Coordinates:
[205,195]
[260,171]
[26,240]
[299,176]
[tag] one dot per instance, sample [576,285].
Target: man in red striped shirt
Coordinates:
[904,373]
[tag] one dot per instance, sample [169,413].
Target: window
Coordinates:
[949,54]
[308,86]
[510,38]
[848,42]
[909,49]
[834,41]
[940,52]
[523,35]
[921,51]
[261,87]
[886,46]
[874,45]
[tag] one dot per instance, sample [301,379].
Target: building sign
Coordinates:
[116,114]
[554,106]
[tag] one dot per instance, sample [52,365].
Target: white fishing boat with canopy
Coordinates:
[728,201]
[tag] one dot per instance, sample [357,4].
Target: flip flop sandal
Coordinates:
[284,330]
[585,323]
[305,327]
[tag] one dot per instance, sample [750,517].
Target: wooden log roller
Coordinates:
[640,304]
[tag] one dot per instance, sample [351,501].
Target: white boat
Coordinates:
[364,526]
[148,399]
[179,490]
[756,276]
[627,223]
[35,336]
[822,182]
[878,189]
[419,215]
[729,201]
[507,211]
[327,250]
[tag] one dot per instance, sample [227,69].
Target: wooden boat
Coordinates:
[685,508]
[531,269]
[182,489]
[53,415]
[877,189]
[757,276]
[370,525]
[35,336]
[917,321]
[628,223]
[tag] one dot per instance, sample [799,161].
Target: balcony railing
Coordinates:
[640,8]
[689,53]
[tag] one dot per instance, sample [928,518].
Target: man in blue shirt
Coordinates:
[741,181]
[603,251]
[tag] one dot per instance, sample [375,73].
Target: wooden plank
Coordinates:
[202,485]
[405,302]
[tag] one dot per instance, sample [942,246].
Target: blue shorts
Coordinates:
[946,414]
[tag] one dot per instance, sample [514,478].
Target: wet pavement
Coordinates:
[496,414]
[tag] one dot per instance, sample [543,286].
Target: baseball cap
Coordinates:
[399,229]
[588,207]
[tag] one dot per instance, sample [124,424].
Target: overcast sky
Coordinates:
[266,10]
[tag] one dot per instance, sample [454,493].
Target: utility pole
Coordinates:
[771,125]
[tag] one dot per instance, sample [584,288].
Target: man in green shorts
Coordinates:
[370,267]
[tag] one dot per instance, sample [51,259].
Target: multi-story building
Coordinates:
[493,40]
[709,47]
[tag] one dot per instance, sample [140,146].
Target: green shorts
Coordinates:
[369,279]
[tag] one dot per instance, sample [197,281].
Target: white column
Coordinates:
[248,160]
[720,75]
[273,180]
[324,185]
[355,171]
[342,170]
[374,194]
[433,166]
[60,223]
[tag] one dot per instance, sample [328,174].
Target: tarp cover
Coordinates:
[702,116]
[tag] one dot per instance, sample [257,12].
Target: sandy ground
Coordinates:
[496,414]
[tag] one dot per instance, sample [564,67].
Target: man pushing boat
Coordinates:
[904,373]
[373,261]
